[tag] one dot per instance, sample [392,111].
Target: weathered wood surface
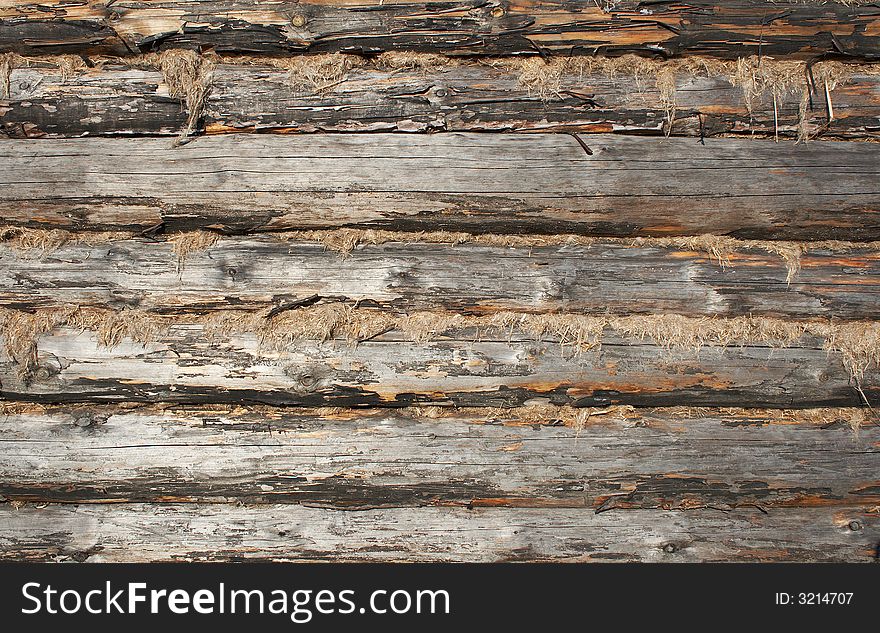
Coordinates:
[468,369]
[137,461]
[726,28]
[622,460]
[262,273]
[162,532]
[480,182]
[486,98]
[125,101]
[114,99]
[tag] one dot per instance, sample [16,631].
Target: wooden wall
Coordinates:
[449,281]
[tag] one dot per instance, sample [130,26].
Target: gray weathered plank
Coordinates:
[115,99]
[664,458]
[481,182]
[260,273]
[148,532]
[465,368]
[727,28]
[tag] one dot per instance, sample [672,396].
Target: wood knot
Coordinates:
[82,421]
[307,379]
[47,367]
[670,548]
[299,20]
[396,278]
[82,556]
[89,420]
[552,289]
[42,373]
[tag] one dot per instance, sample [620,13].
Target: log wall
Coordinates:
[505,281]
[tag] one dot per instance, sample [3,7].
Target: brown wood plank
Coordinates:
[157,532]
[268,272]
[726,28]
[619,460]
[542,183]
[494,95]
[500,366]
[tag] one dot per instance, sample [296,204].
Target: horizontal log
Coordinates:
[487,97]
[194,362]
[618,460]
[46,100]
[266,272]
[115,99]
[543,183]
[147,532]
[722,27]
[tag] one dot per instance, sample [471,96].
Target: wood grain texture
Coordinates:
[351,459]
[483,97]
[125,101]
[150,432]
[115,99]
[500,183]
[265,272]
[468,369]
[161,532]
[726,28]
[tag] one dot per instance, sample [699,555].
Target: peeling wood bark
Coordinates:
[263,273]
[483,183]
[657,459]
[484,98]
[114,99]
[725,28]
[145,532]
[466,370]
